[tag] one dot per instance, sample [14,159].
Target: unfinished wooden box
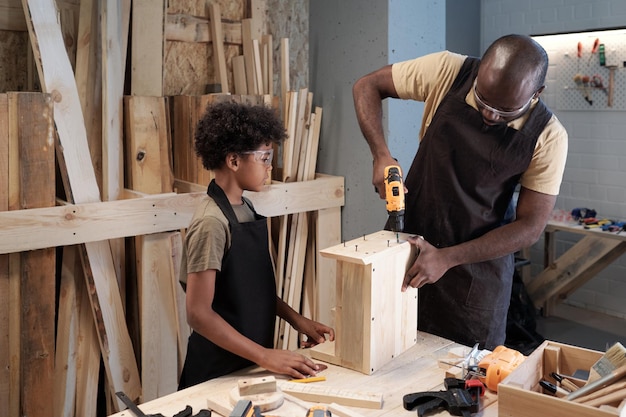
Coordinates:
[520,395]
[374,320]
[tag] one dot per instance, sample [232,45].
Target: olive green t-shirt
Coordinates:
[208,237]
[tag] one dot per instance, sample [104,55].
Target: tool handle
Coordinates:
[607,399]
[597,384]
[130,404]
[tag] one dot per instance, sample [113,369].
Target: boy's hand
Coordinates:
[286,362]
[315,332]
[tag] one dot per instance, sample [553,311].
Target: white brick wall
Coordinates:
[595,174]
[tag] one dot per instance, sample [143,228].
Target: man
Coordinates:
[484,131]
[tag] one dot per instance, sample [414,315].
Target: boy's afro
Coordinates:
[230,127]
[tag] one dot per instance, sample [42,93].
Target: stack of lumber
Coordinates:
[296,248]
[119,303]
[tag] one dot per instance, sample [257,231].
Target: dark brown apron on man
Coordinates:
[245,296]
[459,187]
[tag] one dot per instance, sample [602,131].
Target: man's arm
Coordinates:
[368,92]
[533,212]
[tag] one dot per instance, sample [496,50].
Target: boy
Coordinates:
[226,267]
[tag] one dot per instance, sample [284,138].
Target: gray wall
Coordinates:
[348,39]
[463,26]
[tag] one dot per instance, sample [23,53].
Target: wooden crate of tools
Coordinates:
[520,395]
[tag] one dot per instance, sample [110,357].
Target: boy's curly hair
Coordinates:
[230,127]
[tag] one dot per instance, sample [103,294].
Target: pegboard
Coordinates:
[567,71]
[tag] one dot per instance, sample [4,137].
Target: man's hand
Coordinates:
[378,174]
[428,267]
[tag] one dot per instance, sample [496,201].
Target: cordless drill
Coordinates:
[394,194]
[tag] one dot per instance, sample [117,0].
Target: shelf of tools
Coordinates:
[588,69]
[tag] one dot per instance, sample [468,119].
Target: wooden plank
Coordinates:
[326,394]
[50,54]
[37,284]
[239,75]
[188,28]
[5,305]
[299,253]
[182,329]
[159,358]
[248,54]
[284,72]
[69,16]
[258,67]
[115,344]
[148,42]
[268,49]
[65,364]
[88,351]
[183,128]
[56,76]
[80,223]
[12,16]
[14,268]
[219,59]
[289,143]
[89,81]
[575,267]
[113,26]
[327,234]
[146,144]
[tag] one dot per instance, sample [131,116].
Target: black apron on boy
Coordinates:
[245,296]
[459,187]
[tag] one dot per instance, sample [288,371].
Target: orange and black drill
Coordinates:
[394,194]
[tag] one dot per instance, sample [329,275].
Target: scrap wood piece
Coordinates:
[327,394]
[248,54]
[219,60]
[56,76]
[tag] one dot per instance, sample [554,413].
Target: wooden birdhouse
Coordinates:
[374,320]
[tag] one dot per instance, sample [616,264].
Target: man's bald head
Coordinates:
[518,59]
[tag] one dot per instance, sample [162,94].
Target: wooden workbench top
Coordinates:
[415,370]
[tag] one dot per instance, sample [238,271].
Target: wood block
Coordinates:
[327,394]
[260,385]
[375,321]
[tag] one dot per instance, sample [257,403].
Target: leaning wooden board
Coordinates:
[414,371]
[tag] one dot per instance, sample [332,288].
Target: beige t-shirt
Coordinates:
[208,237]
[429,79]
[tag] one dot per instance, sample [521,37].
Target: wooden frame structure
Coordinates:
[374,320]
[561,277]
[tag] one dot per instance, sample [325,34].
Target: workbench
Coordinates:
[562,276]
[417,369]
